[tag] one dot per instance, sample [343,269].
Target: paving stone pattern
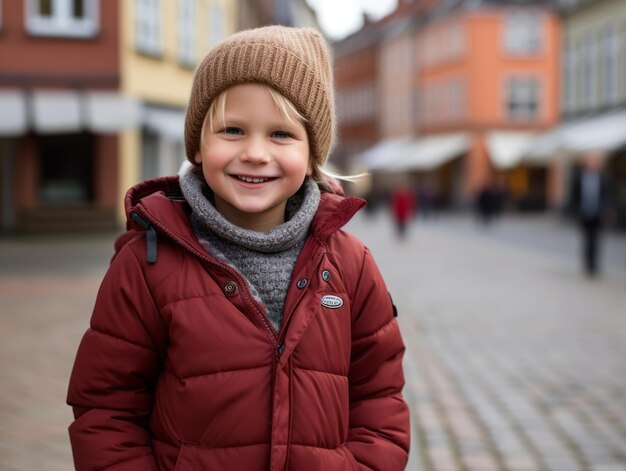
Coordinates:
[515,361]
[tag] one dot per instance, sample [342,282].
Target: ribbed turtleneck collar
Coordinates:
[300,210]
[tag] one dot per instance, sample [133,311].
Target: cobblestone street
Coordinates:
[515,361]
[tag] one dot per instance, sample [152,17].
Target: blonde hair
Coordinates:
[217,114]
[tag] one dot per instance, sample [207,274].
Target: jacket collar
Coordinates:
[160,201]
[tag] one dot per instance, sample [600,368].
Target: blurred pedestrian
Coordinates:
[427,200]
[238,328]
[488,202]
[403,207]
[589,202]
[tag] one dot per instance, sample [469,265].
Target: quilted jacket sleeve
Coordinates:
[114,374]
[379,417]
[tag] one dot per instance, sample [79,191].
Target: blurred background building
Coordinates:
[93,95]
[459,95]
[593,94]
[61,108]
[452,95]
[454,92]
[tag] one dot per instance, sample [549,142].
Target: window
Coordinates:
[588,72]
[187,32]
[148,26]
[522,33]
[610,67]
[522,99]
[216,24]
[357,103]
[569,78]
[66,18]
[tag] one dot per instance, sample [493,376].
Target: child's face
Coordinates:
[254,161]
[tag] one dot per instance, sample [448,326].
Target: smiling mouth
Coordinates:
[252,179]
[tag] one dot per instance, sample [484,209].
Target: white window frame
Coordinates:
[217,19]
[149,27]
[519,103]
[589,72]
[610,64]
[569,75]
[62,23]
[187,32]
[523,33]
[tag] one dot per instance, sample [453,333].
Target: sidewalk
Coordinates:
[47,290]
[515,361]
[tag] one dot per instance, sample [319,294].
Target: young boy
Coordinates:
[238,327]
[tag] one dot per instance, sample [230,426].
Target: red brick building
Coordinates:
[59,112]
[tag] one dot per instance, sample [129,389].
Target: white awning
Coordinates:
[167,123]
[383,153]
[603,132]
[507,148]
[430,152]
[109,112]
[56,111]
[13,118]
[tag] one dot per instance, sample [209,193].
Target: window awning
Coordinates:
[507,148]
[165,122]
[64,111]
[56,111]
[109,112]
[13,117]
[383,153]
[428,153]
[602,132]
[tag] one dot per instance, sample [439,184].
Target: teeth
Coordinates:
[252,180]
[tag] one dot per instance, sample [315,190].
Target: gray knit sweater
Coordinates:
[266,260]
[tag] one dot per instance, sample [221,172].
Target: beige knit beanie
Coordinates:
[294,61]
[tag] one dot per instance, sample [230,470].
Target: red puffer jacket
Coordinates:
[180,369]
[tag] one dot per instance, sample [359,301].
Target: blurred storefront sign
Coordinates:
[67,111]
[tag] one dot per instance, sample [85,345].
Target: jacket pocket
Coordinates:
[187,457]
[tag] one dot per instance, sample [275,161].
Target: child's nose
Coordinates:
[255,151]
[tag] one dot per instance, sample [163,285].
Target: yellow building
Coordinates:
[161,43]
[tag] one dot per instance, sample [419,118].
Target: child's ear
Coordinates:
[198,158]
[309,170]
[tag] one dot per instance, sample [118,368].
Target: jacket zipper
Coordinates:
[148,223]
[303,256]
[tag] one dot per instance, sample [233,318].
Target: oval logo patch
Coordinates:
[332,302]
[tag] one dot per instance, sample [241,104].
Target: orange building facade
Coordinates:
[459,93]
[491,73]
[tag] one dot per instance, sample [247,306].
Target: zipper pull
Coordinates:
[280,349]
[151,237]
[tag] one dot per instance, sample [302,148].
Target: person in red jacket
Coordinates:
[402,207]
[238,326]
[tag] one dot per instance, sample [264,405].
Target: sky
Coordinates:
[340,18]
